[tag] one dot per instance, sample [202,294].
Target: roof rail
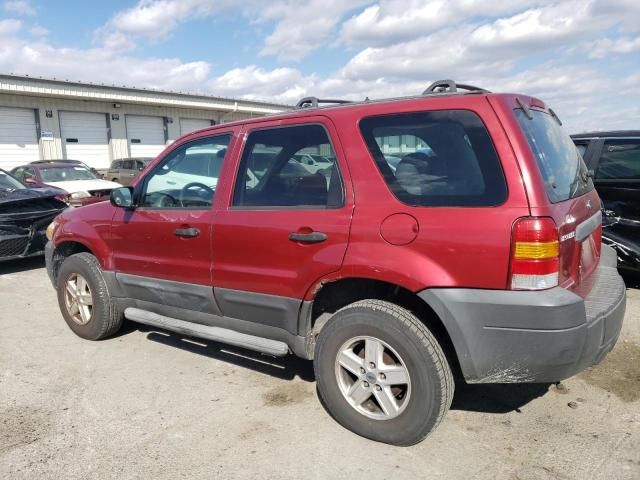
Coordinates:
[449,86]
[314,102]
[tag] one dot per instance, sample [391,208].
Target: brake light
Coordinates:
[535,254]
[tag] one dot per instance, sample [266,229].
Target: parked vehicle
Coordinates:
[125,170]
[614,160]
[24,216]
[313,163]
[80,184]
[480,254]
[66,160]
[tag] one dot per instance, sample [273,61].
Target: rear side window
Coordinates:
[620,160]
[289,167]
[560,162]
[442,158]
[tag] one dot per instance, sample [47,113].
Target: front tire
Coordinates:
[382,374]
[84,298]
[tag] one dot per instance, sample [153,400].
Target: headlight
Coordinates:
[77,195]
[51,229]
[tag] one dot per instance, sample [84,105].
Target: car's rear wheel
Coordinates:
[84,300]
[382,374]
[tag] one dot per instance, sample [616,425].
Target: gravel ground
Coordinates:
[149,404]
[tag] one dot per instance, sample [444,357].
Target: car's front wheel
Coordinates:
[382,374]
[84,300]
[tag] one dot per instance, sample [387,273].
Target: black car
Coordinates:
[614,159]
[25,214]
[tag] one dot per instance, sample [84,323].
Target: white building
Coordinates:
[43,119]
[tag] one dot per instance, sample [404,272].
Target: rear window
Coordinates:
[443,158]
[560,162]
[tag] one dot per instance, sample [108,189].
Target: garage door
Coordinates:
[84,138]
[188,125]
[145,135]
[18,138]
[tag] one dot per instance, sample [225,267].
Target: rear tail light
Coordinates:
[535,254]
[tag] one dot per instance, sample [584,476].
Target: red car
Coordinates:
[81,185]
[479,252]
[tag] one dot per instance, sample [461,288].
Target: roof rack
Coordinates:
[449,86]
[314,102]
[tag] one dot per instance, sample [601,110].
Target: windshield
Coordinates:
[560,162]
[7,182]
[66,174]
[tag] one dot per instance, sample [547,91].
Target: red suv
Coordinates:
[456,232]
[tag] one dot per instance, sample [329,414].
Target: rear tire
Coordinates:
[84,298]
[398,399]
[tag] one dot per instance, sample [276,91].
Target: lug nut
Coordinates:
[378,387]
[372,365]
[365,384]
[362,370]
[383,376]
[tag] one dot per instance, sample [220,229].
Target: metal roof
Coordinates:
[53,87]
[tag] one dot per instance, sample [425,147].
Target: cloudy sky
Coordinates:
[581,57]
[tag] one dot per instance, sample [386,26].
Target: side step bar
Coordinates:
[217,334]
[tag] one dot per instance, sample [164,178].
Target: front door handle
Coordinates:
[312,237]
[186,232]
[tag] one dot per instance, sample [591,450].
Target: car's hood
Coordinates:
[10,196]
[84,185]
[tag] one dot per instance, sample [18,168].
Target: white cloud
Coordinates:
[303,27]
[21,7]
[300,27]
[607,46]
[39,31]
[284,85]
[393,21]
[9,27]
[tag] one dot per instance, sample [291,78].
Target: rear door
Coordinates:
[571,199]
[282,227]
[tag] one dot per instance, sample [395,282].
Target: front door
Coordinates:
[162,248]
[284,225]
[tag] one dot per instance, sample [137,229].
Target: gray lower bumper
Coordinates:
[513,336]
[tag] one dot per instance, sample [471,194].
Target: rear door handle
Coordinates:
[186,232]
[313,237]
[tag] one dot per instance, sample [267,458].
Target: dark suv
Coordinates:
[479,252]
[614,160]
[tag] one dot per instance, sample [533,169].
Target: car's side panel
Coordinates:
[453,245]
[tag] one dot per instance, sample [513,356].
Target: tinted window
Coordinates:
[287,167]
[65,174]
[561,166]
[443,158]
[8,182]
[620,160]
[127,164]
[188,177]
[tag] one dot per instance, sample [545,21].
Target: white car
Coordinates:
[80,183]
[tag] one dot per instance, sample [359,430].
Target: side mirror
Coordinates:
[122,197]
[30,181]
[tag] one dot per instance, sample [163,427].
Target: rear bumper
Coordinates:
[546,336]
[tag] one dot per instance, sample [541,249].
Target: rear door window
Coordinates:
[560,162]
[281,167]
[440,158]
[620,160]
